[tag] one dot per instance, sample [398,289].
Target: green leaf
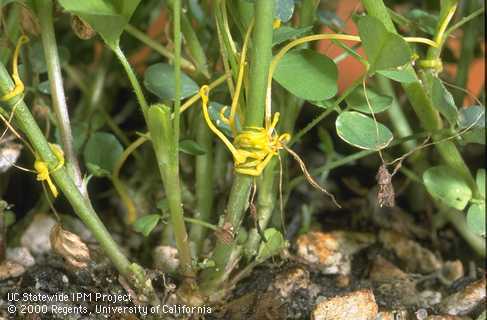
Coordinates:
[378,103]
[275,244]
[97,171]
[384,49]
[81,132]
[447,186]
[9,218]
[44,87]
[214,110]
[307,74]
[324,104]
[191,147]
[108,18]
[146,224]
[443,101]
[362,132]
[285,33]
[399,75]
[37,59]
[476,218]
[284,10]
[159,79]
[480,179]
[103,150]
[473,118]
[326,141]
[423,20]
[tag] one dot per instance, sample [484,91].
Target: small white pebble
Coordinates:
[65,279]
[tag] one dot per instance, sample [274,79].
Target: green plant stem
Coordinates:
[173,194]
[156,46]
[260,57]
[177,71]
[289,108]
[26,123]
[193,44]
[469,41]
[266,199]
[201,223]
[170,172]
[307,12]
[398,119]
[44,10]
[421,101]
[204,185]
[133,81]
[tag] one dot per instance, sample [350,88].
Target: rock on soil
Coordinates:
[465,301]
[357,305]
[331,252]
[415,257]
[10,269]
[36,237]
[21,255]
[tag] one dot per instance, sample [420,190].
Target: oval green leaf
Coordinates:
[443,101]
[378,103]
[108,18]
[159,79]
[307,74]
[384,49]
[473,118]
[448,187]
[284,10]
[274,244]
[324,104]
[285,33]
[480,179]
[103,150]
[476,218]
[399,75]
[362,132]
[191,147]
[146,224]
[214,111]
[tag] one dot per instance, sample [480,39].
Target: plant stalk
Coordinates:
[266,199]
[260,58]
[169,168]
[469,41]
[133,81]
[26,123]
[204,185]
[44,10]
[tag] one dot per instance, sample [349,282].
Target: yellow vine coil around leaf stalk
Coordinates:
[253,147]
[42,169]
[19,85]
[40,166]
